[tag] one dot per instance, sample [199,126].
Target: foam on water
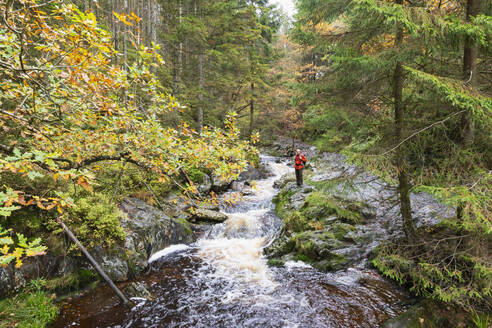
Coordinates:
[223,280]
[237,258]
[234,249]
[297,264]
[166,251]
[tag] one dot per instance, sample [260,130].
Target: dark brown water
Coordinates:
[223,281]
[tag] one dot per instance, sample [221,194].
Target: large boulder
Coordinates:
[286,178]
[219,184]
[254,173]
[203,214]
[342,214]
[13,280]
[139,290]
[430,313]
[206,185]
[148,230]
[115,267]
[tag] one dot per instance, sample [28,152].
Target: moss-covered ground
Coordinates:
[312,232]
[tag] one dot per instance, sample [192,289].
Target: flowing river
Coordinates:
[223,280]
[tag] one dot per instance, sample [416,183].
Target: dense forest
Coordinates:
[102,101]
[405,88]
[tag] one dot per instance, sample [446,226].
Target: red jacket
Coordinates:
[300,161]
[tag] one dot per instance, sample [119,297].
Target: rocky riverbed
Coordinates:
[224,280]
[341,214]
[316,237]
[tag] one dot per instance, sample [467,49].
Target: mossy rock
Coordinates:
[296,222]
[333,263]
[315,212]
[281,200]
[319,205]
[73,281]
[341,229]
[432,314]
[316,244]
[312,247]
[281,246]
[185,224]
[276,262]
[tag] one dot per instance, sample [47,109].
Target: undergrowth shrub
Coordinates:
[32,308]
[94,219]
[446,265]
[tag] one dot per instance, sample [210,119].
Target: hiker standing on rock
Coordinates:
[300,161]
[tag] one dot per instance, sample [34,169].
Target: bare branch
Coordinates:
[420,131]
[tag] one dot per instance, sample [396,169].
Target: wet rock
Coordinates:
[280,183]
[429,313]
[139,290]
[5,282]
[220,185]
[426,211]
[355,208]
[254,173]
[281,246]
[115,267]
[314,247]
[202,214]
[409,319]
[150,230]
[237,186]
[341,230]
[211,207]
[174,204]
[206,185]
[247,192]
[13,280]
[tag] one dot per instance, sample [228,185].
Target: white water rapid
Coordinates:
[223,280]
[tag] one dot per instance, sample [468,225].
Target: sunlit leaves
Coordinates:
[68,109]
[23,248]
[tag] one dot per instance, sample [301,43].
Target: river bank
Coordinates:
[342,213]
[317,242]
[224,280]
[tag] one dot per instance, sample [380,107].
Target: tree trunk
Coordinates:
[469,73]
[125,55]
[94,263]
[156,20]
[252,109]
[113,30]
[201,86]
[180,51]
[403,184]
[149,22]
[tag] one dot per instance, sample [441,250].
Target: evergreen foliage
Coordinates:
[350,51]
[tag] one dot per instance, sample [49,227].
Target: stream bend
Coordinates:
[223,280]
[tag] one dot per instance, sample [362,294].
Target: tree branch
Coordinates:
[419,131]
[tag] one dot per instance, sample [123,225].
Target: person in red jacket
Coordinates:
[300,161]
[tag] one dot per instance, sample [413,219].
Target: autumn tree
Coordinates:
[67,107]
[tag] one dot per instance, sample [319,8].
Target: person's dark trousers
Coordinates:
[299,177]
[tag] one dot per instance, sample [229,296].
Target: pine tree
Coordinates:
[406,58]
